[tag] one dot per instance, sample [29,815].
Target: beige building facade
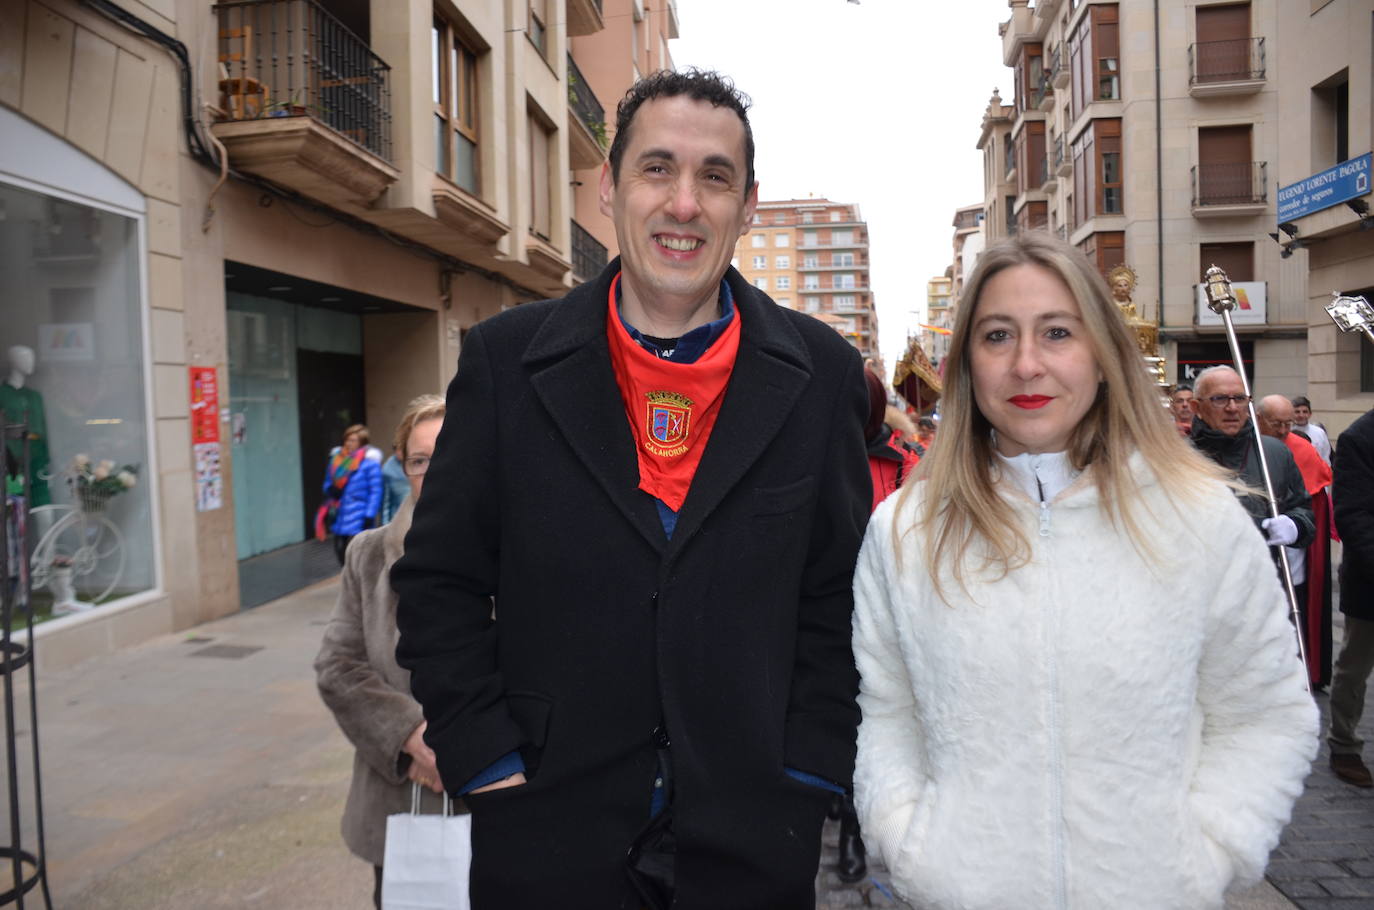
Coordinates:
[812,255]
[1327,96]
[226,237]
[1155,142]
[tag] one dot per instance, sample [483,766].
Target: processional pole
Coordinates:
[1221,300]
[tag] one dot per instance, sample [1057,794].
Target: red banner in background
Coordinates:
[204,405]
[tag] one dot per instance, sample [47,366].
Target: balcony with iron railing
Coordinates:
[1063,164]
[303,101]
[1231,67]
[1058,65]
[588,255]
[1222,190]
[587,136]
[1043,96]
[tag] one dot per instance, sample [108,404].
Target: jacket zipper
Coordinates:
[1061,900]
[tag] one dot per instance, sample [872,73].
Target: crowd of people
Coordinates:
[681,581]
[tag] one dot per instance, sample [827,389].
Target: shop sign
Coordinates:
[1251,304]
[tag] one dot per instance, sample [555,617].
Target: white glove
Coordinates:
[1280,532]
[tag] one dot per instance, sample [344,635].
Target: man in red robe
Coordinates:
[1312,566]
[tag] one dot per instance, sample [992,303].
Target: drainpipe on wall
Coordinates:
[1159,171]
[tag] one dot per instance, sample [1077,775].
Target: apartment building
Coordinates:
[1326,97]
[228,230]
[1153,140]
[812,255]
[939,316]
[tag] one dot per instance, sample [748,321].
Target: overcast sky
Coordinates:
[878,103]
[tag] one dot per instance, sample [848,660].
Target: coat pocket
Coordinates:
[784,499]
[530,711]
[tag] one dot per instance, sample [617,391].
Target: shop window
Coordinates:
[454,89]
[71,334]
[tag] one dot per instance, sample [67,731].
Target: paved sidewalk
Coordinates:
[200,771]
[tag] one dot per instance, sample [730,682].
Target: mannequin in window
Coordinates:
[19,402]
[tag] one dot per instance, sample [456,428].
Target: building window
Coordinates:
[809,239]
[1106,249]
[1225,174]
[844,302]
[760,262]
[780,218]
[784,282]
[811,283]
[809,261]
[758,240]
[734,263]
[1094,59]
[841,259]
[1236,259]
[758,219]
[841,238]
[761,283]
[783,301]
[1107,46]
[813,304]
[1331,121]
[538,31]
[782,262]
[782,238]
[455,107]
[836,216]
[844,280]
[808,217]
[541,200]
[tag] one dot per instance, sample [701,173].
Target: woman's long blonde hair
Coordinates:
[961,507]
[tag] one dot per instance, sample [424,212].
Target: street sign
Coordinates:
[1332,186]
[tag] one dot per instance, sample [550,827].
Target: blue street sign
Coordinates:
[1332,186]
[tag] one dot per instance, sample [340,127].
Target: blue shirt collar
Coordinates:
[692,345]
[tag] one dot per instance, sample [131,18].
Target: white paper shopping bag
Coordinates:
[427,858]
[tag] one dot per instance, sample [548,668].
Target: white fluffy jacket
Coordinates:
[1097,729]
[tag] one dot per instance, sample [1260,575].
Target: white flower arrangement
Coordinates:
[94,486]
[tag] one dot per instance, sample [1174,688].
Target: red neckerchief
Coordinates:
[672,407]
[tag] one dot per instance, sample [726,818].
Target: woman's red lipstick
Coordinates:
[1030,402]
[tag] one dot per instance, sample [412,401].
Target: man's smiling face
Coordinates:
[679,202]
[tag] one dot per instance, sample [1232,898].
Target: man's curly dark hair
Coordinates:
[699,85]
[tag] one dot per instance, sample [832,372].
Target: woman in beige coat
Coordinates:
[356,668]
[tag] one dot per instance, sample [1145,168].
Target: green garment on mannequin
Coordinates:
[16,403]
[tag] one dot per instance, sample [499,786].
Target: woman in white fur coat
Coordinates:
[1079,685]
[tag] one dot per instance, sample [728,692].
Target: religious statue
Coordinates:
[1122,281]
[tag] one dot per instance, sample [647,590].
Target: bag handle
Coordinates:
[415,801]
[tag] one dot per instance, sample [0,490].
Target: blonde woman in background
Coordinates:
[1078,683]
[356,668]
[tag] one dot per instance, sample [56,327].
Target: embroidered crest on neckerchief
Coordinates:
[669,421]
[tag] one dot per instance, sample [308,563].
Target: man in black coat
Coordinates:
[1221,430]
[663,699]
[1353,496]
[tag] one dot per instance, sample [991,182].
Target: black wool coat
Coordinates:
[1352,495]
[734,634]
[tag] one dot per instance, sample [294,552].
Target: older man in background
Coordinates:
[1222,431]
[1311,567]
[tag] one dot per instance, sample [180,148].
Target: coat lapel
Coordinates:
[771,371]
[571,373]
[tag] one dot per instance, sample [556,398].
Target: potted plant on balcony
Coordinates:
[291,107]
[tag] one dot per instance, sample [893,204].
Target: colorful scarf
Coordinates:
[341,468]
[672,407]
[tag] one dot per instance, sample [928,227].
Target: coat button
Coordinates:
[660,737]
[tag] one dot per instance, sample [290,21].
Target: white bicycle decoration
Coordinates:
[78,547]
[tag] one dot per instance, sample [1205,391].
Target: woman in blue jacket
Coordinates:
[352,489]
